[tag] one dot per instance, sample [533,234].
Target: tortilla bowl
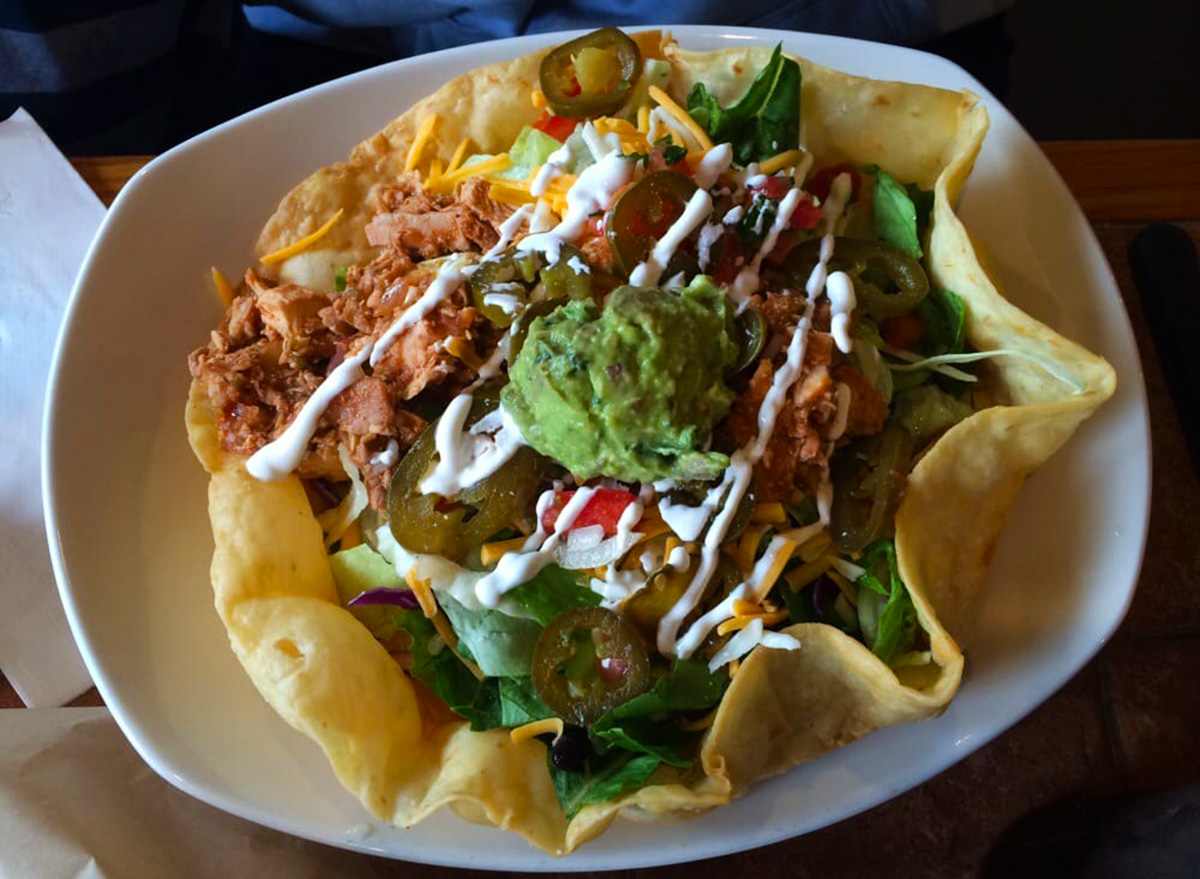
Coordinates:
[327,676]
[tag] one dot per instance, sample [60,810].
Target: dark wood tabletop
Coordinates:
[1130,720]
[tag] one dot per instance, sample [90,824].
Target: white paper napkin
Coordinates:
[76,802]
[48,216]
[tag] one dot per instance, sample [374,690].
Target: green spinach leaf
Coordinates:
[764,121]
[605,777]
[643,724]
[896,215]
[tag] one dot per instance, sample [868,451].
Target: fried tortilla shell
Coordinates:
[327,676]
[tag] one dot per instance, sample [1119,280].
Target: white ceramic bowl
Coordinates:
[126,502]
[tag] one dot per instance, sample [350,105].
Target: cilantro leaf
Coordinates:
[339,279]
[674,154]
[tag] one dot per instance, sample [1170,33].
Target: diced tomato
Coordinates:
[902,331]
[783,246]
[773,187]
[558,127]
[818,184]
[604,508]
[806,215]
[729,257]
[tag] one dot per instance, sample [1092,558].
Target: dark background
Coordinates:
[1069,69]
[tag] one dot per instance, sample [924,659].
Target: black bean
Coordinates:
[571,751]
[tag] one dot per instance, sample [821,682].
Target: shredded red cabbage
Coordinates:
[385,596]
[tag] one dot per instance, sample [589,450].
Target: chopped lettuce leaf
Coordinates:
[605,777]
[943,318]
[870,362]
[643,724]
[926,411]
[354,572]
[764,122]
[551,592]
[501,645]
[655,71]
[532,147]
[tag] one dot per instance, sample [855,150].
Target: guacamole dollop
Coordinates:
[631,390]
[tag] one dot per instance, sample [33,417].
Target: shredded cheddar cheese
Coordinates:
[632,139]
[815,547]
[643,120]
[736,623]
[423,592]
[224,291]
[742,608]
[777,565]
[843,584]
[747,547]
[538,99]
[435,169]
[490,553]
[772,513]
[461,349]
[781,161]
[807,572]
[352,536]
[537,728]
[423,136]
[733,667]
[303,244]
[460,153]
[681,116]
[702,723]
[446,183]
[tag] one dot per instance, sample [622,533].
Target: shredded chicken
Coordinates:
[277,343]
[424,226]
[800,442]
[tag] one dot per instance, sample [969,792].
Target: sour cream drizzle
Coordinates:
[593,191]
[453,273]
[746,282]
[737,477]
[712,165]
[840,290]
[515,568]
[648,273]
[507,230]
[553,168]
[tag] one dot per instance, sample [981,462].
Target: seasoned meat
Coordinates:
[868,410]
[276,344]
[425,226]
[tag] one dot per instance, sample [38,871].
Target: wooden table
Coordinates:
[1130,718]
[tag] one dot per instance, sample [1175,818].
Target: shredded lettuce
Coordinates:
[641,723]
[764,122]
[334,522]
[926,411]
[655,71]
[889,630]
[354,572]
[532,147]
